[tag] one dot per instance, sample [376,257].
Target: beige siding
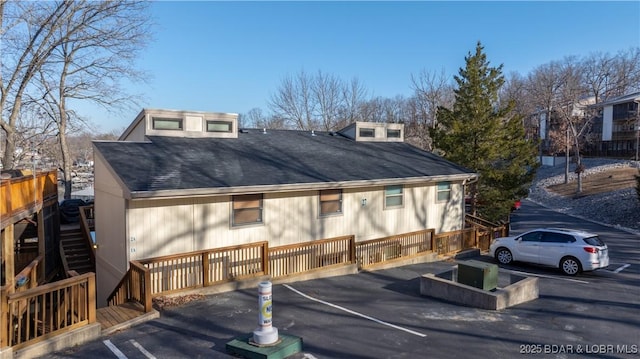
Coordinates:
[162,227]
[137,133]
[112,260]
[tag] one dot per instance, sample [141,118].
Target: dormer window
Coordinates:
[160,123]
[393,133]
[367,132]
[219,126]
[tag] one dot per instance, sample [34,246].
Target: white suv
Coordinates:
[570,250]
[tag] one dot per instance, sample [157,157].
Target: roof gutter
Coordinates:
[297,187]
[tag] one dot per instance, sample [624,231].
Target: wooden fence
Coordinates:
[153,277]
[305,257]
[38,313]
[405,245]
[174,273]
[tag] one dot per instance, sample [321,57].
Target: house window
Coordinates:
[330,202]
[367,132]
[393,196]
[167,123]
[247,209]
[219,126]
[393,133]
[444,191]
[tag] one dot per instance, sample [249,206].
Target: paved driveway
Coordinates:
[381,315]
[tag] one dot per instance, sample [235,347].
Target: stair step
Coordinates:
[67,235]
[71,247]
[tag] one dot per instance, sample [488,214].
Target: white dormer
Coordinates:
[374,132]
[174,123]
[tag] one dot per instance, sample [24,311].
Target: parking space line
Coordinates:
[354,313]
[546,276]
[114,349]
[621,268]
[142,349]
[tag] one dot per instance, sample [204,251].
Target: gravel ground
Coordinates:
[620,208]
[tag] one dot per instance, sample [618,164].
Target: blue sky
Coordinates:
[232,56]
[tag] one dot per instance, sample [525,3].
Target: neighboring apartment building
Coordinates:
[548,127]
[181,181]
[616,126]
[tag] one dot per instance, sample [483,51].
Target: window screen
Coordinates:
[330,202]
[219,126]
[247,209]
[393,133]
[393,196]
[367,132]
[444,191]
[167,123]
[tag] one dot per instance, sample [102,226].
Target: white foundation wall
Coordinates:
[164,227]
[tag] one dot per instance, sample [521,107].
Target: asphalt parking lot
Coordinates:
[381,314]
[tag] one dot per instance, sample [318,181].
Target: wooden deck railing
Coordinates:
[134,286]
[304,257]
[28,277]
[152,277]
[455,241]
[51,309]
[478,221]
[87,225]
[23,196]
[399,246]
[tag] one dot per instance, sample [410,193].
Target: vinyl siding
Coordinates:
[163,227]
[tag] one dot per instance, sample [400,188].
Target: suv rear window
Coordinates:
[594,241]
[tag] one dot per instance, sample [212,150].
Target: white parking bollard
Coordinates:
[266,333]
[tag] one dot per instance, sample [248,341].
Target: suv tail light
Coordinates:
[591,249]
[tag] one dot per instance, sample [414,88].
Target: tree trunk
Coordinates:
[566,159]
[66,166]
[9,150]
[579,171]
[64,149]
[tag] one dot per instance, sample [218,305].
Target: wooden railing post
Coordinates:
[265,259]
[352,249]
[147,290]
[205,269]
[91,294]
[4,318]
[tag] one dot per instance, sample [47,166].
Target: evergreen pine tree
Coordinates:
[483,135]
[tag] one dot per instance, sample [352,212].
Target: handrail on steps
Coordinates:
[134,286]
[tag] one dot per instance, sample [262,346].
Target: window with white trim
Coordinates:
[219,126]
[393,196]
[160,123]
[444,191]
[367,132]
[392,133]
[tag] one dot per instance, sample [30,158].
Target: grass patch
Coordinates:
[608,181]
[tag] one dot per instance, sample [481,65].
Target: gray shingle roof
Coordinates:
[280,157]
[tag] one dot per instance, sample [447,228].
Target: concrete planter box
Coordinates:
[445,286]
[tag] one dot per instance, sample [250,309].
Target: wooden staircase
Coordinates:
[75,252]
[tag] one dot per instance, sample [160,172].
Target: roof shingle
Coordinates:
[279,157]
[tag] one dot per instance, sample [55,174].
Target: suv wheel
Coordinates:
[504,256]
[570,266]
